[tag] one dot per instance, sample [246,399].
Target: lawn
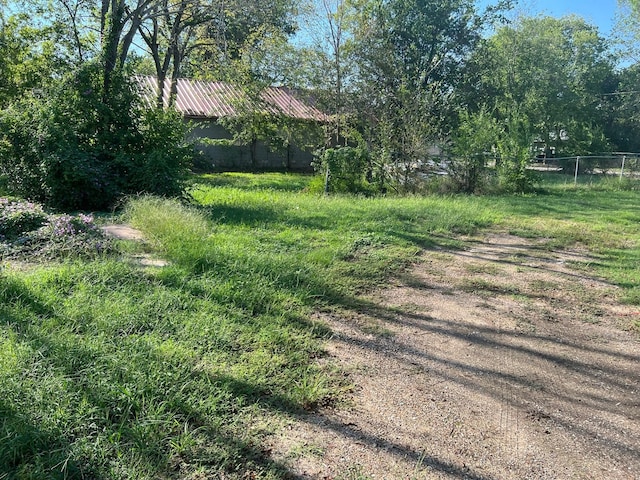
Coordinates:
[112,370]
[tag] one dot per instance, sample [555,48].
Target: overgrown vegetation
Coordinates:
[27,231]
[76,147]
[348,170]
[401,81]
[110,369]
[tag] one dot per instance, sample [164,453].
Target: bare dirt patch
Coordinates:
[126,232]
[502,361]
[122,232]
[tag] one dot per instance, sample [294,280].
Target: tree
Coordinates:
[82,138]
[238,35]
[170,33]
[623,112]
[330,61]
[72,33]
[410,55]
[56,148]
[634,5]
[554,73]
[28,56]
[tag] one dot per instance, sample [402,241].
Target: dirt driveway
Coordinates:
[502,361]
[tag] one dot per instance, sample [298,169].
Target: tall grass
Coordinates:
[110,370]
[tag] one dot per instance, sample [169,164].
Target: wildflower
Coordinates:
[26,230]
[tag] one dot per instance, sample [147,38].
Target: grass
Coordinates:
[109,370]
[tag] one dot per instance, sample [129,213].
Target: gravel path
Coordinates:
[503,361]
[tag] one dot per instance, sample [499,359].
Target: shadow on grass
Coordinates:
[124,404]
[28,451]
[133,400]
[249,216]
[128,394]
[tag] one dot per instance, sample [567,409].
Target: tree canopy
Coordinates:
[554,72]
[396,76]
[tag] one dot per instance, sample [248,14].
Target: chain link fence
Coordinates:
[622,165]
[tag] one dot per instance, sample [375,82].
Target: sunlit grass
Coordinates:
[113,370]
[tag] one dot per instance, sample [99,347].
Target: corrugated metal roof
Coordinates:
[202,99]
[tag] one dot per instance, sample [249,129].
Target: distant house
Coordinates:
[206,103]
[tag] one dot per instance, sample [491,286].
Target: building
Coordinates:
[210,106]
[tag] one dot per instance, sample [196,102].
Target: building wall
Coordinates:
[238,157]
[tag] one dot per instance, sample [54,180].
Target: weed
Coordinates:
[543,285]
[305,449]
[377,329]
[353,472]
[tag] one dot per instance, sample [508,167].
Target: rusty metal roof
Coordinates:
[213,100]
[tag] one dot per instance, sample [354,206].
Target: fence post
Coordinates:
[624,157]
[575,177]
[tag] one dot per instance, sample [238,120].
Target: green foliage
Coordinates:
[624,111]
[409,55]
[513,174]
[478,139]
[27,56]
[514,150]
[556,74]
[348,170]
[238,36]
[475,141]
[634,4]
[18,218]
[160,165]
[287,182]
[28,232]
[80,148]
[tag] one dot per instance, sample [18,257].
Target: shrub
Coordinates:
[18,218]
[349,169]
[162,166]
[513,175]
[475,137]
[80,147]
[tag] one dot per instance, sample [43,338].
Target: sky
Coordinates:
[597,12]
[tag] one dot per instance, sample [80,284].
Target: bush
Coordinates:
[18,218]
[349,169]
[162,166]
[476,135]
[27,231]
[81,148]
[513,175]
